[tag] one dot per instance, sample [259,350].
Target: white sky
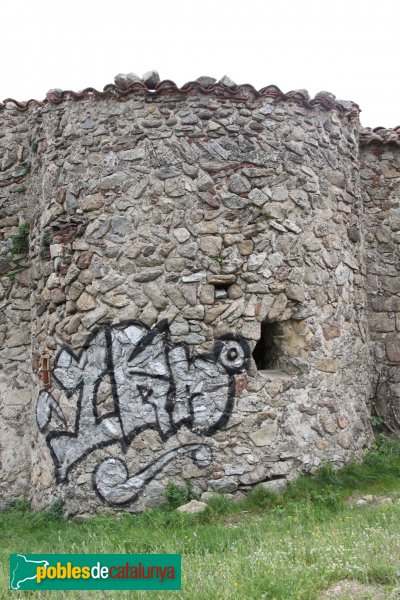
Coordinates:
[347,47]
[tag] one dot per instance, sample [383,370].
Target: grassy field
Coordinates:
[292,546]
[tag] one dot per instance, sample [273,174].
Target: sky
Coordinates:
[348,47]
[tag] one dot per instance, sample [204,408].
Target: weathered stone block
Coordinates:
[327,365]
[331,331]
[192,507]
[85,302]
[392,344]
[265,435]
[210,245]
[89,203]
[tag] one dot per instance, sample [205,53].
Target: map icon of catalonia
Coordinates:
[23,570]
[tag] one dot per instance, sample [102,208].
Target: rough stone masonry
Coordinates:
[196,284]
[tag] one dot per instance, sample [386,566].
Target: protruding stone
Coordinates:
[275,485]
[167,172]
[204,183]
[94,316]
[265,435]
[19,339]
[341,274]
[328,365]
[393,347]
[210,245]
[190,170]
[336,178]
[56,250]
[53,281]
[213,313]
[235,292]
[121,81]
[181,234]
[233,201]
[179,328]
[57,296]
[192,507]
[381,322]
[93,202]
[207,227]
[148,275]
[227,81]
[255,476]
[255,261]
[354,234]
[279,194]
[199,276]
[85,302]
[206,81]
[4,266]
[133,78]
[224,485]
[361,502]
[207,294]
[175,187]
[221,279]
[151,79]
[188,250]
[331,331]
[328,424]
[238,184]
[154,293]
[56,92]
[193,312]
[207,496]
[295,292]
[342,421]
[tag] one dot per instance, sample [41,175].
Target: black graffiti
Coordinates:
[154,385]
[113,485]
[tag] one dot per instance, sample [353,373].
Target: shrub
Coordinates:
[20,241]
[176,496]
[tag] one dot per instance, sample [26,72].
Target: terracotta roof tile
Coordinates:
[239,93]
[380,135]
[124,88]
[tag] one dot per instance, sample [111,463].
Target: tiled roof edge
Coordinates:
[239,93]
[380,135]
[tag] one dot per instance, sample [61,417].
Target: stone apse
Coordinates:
[196,284]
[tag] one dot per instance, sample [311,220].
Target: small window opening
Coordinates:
[267,351]
[221,291]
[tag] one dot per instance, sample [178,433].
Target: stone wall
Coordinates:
[16,390]
[197,293]
[380,174]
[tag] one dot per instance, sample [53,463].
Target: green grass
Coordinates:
[267,214]
[20,241]
[286,547]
